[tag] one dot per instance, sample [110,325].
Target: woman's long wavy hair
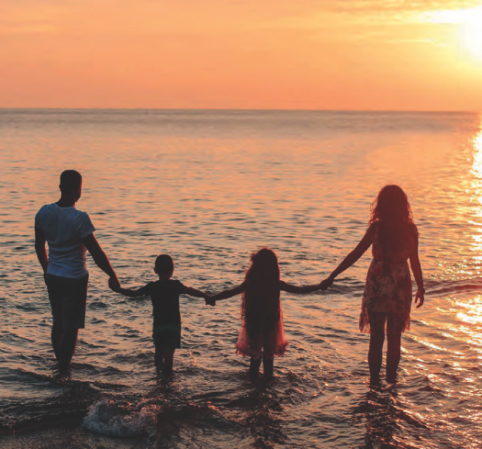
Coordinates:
[391,210]
[261,299]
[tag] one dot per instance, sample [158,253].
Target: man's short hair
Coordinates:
[164,264]
[70,181]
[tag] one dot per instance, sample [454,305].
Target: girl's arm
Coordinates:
[417,274]
[349,260]
[229,293]
[296,289]
[131,293]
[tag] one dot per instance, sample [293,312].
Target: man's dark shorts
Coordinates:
[68,298]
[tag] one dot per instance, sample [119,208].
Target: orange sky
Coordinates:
[303,54]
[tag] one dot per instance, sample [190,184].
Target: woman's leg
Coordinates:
[394,343]
[254,368]
[375,351]
[268,367]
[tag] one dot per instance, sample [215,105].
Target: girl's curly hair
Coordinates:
[391,206]
[391,210]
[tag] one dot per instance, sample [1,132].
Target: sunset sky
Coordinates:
[262,54]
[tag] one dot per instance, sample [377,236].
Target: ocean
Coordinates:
[209,188]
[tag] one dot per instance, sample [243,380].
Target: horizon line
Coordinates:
[450,111]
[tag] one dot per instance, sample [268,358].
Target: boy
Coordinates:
[164,295]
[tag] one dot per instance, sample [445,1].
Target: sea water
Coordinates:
[209,188]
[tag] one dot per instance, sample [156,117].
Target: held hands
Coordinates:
[328,282]
[419,297]
[114,284]
[209,301]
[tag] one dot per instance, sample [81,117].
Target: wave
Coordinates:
[351,286]
[120,419]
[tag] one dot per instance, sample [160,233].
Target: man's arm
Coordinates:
[100,258]
[40,249]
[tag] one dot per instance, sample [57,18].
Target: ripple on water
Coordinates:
[209,188]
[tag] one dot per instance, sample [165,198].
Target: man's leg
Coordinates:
[56,336]
[68,301]
[68,343]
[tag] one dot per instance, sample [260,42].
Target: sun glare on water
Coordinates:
[470,22]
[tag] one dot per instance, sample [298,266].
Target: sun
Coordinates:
[469,22]
[472,35]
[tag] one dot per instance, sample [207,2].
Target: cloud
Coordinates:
[390,6]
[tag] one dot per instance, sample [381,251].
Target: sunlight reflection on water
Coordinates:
[210,188]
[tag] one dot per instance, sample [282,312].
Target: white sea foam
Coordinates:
[106,417]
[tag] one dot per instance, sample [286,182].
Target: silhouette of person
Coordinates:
[388,290]
[69,233]
[164,295]
[262,334]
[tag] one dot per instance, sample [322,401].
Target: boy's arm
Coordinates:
[194,292]
[290,288]
[130,292]
[229,293]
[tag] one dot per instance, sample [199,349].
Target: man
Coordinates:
[69,233]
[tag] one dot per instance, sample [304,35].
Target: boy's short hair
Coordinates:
[70,181]
[164,264]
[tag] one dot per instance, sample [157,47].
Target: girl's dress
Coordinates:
[388,287]
[262,334]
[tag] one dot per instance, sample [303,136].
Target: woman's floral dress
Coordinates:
[388,287]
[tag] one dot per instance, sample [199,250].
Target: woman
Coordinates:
[388,290]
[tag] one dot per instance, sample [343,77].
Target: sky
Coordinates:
[248,54]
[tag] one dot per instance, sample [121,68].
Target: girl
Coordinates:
[262,334]
[388,290]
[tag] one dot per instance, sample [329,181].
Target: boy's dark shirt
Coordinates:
[165,301]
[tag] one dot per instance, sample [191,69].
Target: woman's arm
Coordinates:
[417,274]
[349,260]
[290,288]
[229,293]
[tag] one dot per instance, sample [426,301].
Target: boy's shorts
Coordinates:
[167,336]
[68,299]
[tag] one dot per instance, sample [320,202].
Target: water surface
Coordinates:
[209,188]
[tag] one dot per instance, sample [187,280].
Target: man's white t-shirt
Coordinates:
[64,228]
